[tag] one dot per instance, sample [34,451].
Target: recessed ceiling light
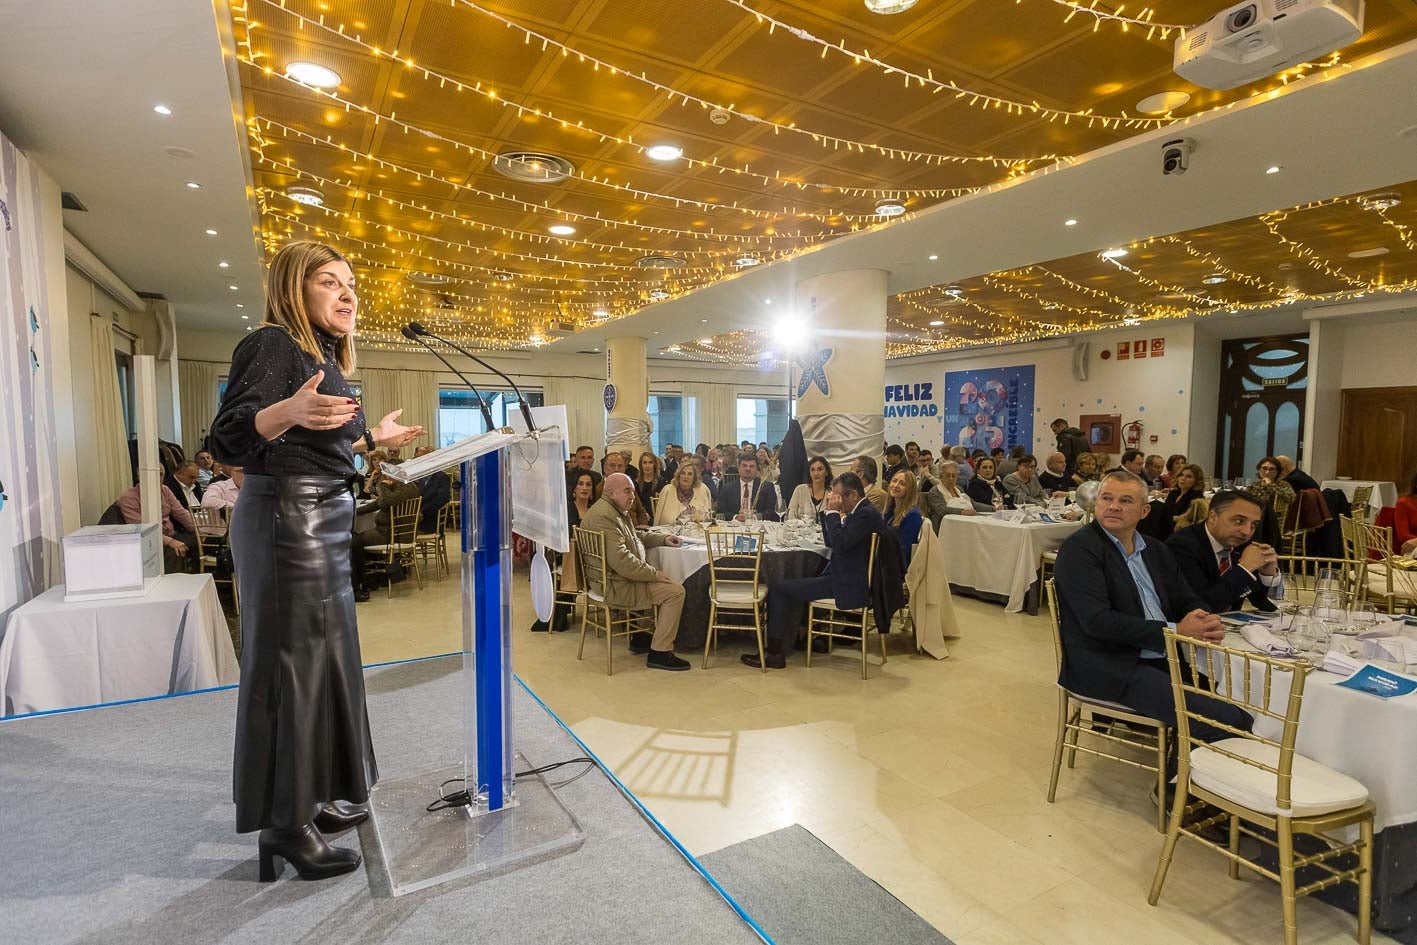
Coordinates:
[746,262]
[706,342]
[248,327]
[936,323]
[223,265]
[194,185]
[313,74]
[1131,321]
[306,195]
[1214,278]
[533,167]
[888,7]
[233,288]
[1381,202]
[430,278]
[657,294]
[561,229]
[767,301]
[1274,169]
[240,305]
[889,210]
[933,256]
[660,262]
[1070,222]
[211,232]
[1368,253]
[664,152]
[502,276]
[1163,102]
[703,321]
[600,313]
[1113,253]
[162,109]
[245,318]
[954,290]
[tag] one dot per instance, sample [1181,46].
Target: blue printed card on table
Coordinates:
[1380,682]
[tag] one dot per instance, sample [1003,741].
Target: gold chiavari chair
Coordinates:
[1294,542]
[1386,578]
[840,624]
[599,613]
[1256,781]
[735,566]
[435,543]
[1143,734]
[1302,573]
[403,545]
[211,536]
[1362,495]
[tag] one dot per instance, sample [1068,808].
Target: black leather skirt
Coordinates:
[302,730]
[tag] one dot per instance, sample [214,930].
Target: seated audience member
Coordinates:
[767,465]
[912,454]
[998,455]
[864,468]
[1116,592]
[436,488]
[650,479]
[183,483]
[895,462]
[618,461]
[672,455]
[807,499]
[581,493]
[986,488]
[903,517]
[1295,476]
[848,522]
[1022,484]
[1270,487]
[1174,462]
[963,470]
[632,581]
[221,497]
[1104,463]
[957,500]
[923,467]
[206,468]
[712,474]
[1072,443]
[390,494]
[1086,470]
[1055,478]
[686,496]
[1404,520]
[583,460]
[1134,462]
[747,493]
[1006,468]
[373,478]
[179,536]
[1221,563]
[1185,505]
[1153,470]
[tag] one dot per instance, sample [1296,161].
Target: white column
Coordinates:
[841,368]
[626,396]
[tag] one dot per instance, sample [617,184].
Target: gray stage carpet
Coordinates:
[116,827]
[802,893]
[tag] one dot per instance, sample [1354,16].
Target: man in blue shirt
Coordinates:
[1116,593]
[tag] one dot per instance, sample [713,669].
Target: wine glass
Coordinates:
[1361,618]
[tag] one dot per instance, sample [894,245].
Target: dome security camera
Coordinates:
[1176,156]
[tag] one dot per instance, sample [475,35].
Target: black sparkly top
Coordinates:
[266,367]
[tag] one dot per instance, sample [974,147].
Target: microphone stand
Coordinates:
[412,335]
[526,408]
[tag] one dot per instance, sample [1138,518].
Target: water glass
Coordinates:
[1361,619]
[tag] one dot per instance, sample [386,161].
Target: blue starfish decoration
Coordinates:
[814,371]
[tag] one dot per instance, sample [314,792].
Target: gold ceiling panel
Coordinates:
[819,140]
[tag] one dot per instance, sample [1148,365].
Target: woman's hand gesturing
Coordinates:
[388,432]
[307,408]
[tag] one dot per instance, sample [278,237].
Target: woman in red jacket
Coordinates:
[1404,523]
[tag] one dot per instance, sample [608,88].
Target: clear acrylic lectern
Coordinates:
[506,477]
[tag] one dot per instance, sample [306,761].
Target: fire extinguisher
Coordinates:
[1131,434]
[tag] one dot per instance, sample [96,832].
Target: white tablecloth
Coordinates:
[55,655]
[1384,493]
[1364,736]
[996,556]
[689,557]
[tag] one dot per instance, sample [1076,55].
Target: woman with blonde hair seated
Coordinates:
[684,494]
[1186,504]
[903,516]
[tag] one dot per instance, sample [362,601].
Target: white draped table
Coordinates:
[1384,493]
[998,557]
[55,655]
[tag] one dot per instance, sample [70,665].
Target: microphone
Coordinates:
[412,335]
[418,329]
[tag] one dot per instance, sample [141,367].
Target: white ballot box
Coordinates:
[104,561]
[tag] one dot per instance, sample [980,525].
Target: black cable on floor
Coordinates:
[464,797]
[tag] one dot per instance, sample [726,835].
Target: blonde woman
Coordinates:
[684,493]
[290,419]
[903,517]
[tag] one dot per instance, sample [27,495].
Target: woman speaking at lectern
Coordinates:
[290,419]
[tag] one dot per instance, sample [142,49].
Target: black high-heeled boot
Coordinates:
[331,818]
[307,851]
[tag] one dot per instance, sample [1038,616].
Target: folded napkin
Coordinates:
[1259,637]
[1397,649]
[1340,663]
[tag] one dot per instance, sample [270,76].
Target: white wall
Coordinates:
[1377,351]
[1156,392]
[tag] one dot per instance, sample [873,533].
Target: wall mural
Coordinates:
[990,408]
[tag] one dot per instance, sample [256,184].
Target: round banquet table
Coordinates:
[997,559]
[1384,493]
[688,564]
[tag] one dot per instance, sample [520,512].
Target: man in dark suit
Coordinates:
[1220,562]
[183,483]
[1295,476]
[848,522]
[747,493]
[1116,593]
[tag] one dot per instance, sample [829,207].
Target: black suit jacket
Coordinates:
[1301,480]
[1201,569]
[171,482]
[730,499]
[849,539]
[437,490]
[1104,628]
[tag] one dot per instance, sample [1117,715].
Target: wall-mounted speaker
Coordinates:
[1080,361]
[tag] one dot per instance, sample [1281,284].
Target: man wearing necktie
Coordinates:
[747,493]
[1221,563]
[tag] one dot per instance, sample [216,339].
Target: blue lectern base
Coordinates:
[413,849]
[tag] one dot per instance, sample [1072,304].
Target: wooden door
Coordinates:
[1378,434]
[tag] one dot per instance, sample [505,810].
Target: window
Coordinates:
[674,420]
[763,419]
[460,417]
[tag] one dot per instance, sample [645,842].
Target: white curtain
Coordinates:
[112,472]
[718,411]
[415,392]
[196,387]
[585,408]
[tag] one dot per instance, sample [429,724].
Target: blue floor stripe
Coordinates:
[693,861]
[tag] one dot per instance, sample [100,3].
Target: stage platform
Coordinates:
[117,828]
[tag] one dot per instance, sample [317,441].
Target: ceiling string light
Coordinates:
[1163,287]
[1216,265]
[1310,258]
[490,94]
[1143,19]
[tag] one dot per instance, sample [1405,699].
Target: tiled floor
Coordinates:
[929,776]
